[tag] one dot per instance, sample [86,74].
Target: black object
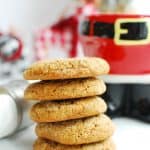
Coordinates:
[136,30]
[131,100]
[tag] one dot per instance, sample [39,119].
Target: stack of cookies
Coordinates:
[69,113]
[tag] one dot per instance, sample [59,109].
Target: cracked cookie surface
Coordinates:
[42,144]
[55,111]
[77,132]
[65,89]
[66,69]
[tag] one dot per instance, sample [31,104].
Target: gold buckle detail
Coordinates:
[119,31]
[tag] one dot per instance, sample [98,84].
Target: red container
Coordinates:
[123,40]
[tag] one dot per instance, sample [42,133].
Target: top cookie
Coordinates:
[66,69]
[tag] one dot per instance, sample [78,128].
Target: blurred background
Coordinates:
[28,30]
[22,20]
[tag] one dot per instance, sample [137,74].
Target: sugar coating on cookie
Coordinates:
[66,69]
[55,111]
[77,132]
[65,89]
[42,144]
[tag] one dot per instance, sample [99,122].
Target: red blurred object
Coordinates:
[123,40]
[66,30]
[63,33]
[10,47]
[71,25]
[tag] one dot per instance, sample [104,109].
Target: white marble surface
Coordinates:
[130,135]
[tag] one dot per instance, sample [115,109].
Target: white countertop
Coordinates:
[130,135]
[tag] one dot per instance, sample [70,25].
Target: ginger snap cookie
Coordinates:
[66,69]
[77,132]
[42,144]
[65,89]
[54,111]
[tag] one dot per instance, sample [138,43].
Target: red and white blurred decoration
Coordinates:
[61,39]
[13,56]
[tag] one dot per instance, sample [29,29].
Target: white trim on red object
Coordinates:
[127,79]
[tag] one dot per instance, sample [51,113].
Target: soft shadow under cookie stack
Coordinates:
[69,112]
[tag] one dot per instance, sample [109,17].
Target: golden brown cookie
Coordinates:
[55,111]
[66,69]
[42,144]
[77,132]
[65,89]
